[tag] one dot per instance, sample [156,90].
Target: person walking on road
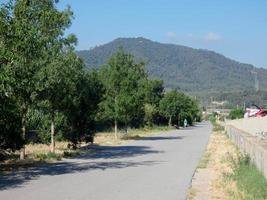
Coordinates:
[185,123]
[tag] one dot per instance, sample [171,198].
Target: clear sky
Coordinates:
[235,28]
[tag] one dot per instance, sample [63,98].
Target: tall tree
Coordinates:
[57,81]
[82,109]
[32,28]
[123,80]
[171,105]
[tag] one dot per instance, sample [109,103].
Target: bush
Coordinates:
[236,114]
[212,119]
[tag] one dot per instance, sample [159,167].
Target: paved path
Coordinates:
[152,168]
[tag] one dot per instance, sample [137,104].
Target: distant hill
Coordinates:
[183,68]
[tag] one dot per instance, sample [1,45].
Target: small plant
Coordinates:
[212,119]
[53,156]
[249,180]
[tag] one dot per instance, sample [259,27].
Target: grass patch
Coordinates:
[47,156]
[203,163]
[217,127]
[249,180]
[135,134]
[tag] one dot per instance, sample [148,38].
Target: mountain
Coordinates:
[183,68]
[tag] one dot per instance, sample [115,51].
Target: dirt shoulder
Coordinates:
[209,180]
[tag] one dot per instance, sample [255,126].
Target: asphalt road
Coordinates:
[152,168]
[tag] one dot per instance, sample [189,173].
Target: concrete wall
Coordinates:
[251,125]
[242,133]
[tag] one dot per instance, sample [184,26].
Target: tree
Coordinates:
[150,111]
[82,110]
[154,91]
[10,137]
[123,82]
[57,81]
[153,94]
[31,29]
[170,105]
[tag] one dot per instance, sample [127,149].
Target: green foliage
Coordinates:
[183,68]
[170,105]
[150,112]
[123,80]
[249,180]
[180,106]
[32,35]
[154,91]
[10,137]
[236,114]
[48,156]
[39,124]
[212,119]
[81,111]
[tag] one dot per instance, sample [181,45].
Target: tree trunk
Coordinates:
[53,132]
[116,129]
[178,122]
[23,129]
[170,121]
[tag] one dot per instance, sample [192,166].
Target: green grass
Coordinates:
[135,134]
[217,127]
[250,181]
[48,156]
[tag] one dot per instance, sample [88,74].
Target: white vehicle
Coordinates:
[252,111]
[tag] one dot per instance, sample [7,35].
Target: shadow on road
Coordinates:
[100,159]
[161,138]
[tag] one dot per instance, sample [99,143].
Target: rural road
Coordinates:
[152,168]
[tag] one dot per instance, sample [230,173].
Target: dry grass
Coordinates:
[44,148]
[217,163]
[40,152]
[108,138]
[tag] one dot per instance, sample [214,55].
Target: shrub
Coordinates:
[236,114]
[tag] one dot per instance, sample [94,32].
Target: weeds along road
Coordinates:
[152,168]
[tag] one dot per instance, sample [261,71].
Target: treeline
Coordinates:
[47,94]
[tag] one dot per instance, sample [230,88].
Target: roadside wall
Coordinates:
[242,133]
[251,125]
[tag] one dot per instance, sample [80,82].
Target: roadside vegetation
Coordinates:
[225,173]
[48,97]
[237,113]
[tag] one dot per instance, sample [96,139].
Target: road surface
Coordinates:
[152,168]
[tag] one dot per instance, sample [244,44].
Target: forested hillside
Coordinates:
[183,68]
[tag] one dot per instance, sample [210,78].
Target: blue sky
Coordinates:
[235,28]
